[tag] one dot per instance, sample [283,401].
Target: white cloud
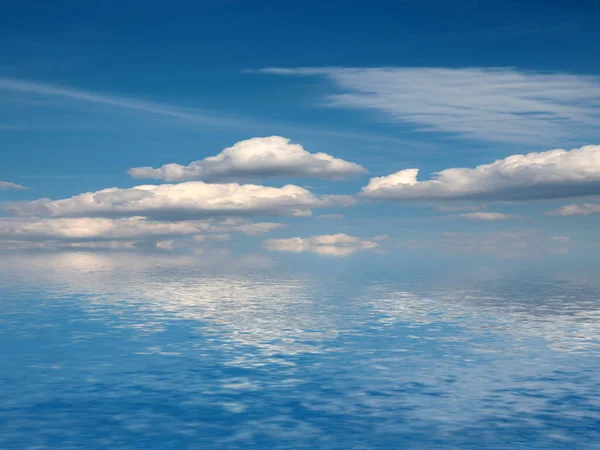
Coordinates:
[100,232]
[182,201]
[561,239]
[331,216]
[584,209]
[551,174]
[491,104]
[165,245]
[381,237]
[487,216]
[455,208]
[255,158]
[8,185]
[328,244]
[213,237]
[259,228]
[94,229]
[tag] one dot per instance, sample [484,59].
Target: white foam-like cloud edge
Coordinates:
[584,209]
[541,175]
[487,216]
[189,200]
[100,232]
[328,244]
[256,158]
[6,185]
[490,104]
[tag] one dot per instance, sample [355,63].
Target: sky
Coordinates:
[302,129]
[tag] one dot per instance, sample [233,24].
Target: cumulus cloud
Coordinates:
[254,158]
[8,185]
[584,209]
[488,104]
[551,174]
[100,232]
[182,201]
[329,244]
[487,216]
[96,228]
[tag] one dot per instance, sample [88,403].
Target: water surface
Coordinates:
[122,351]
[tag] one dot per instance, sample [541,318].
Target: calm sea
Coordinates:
[125,351]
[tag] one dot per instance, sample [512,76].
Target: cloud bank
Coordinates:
[98,228]
[489,104]
[329,244]
[256,158]
[543,175]
[183,201]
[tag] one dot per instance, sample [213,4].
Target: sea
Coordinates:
[122,350]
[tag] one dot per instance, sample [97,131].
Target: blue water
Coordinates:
[122,351]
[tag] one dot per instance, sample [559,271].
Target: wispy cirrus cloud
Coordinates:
[186,115]
[16,85]
[487,104]
[6,185]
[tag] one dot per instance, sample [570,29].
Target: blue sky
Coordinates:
[88,92]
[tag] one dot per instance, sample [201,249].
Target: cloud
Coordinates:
[16,85]
[225,237]
[487,216]
[490,104]
[584,209]
[544,175]
[8,185]
[561,239]
[328,244]
[188,200]
[331,216]
[255,158]
[455,208]
[185,115]
[257,229]
[130,232]
[381,237]
[92,229]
